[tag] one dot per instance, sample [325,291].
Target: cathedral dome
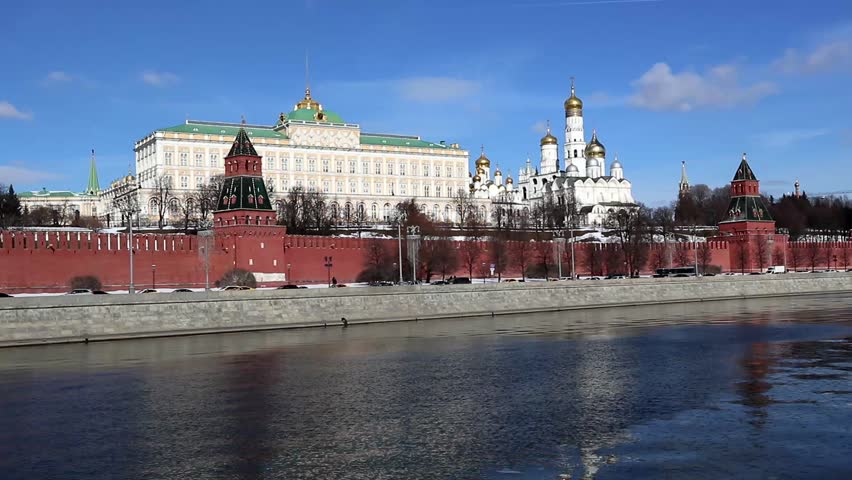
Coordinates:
[509,180]
[592,162]
[477,178]
[483,161]
[615,163]
[572,169]
[548,139]
[595,148]
[573,105]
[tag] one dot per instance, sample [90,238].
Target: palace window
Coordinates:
[425,170]
[299,183]
[199,159]
[339,166]
[270,163]
[365,168]
[365,187]
[378,168]
[183,159]
[284,185]
[351,166]
[284,164]
[390,187]
[378,187]
[298,164]
[214,159]
[325,166]
[326,186]
[374,211]
[438,171]
[449,171]
[199,182]
[168,158]
[403,188]
[390,169]
[352,187]
[426,190]
[312,186]
[438,191]
[339,187]
[312,165]
[184,182]
[402,169]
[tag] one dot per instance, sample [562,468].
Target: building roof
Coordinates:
[242,145]
[744,171]
[93,186]
[44,193]
[313,115]
[264,131]
[747,208]
[243,192]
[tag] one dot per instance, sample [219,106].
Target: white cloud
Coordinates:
[11,174]
[436,89]
[159,79]
[539,127]
[7,110]
[829,56]
[786,138]
[55,77]
[661,89]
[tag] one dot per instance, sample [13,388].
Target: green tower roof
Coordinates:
[744,172]
[93,186]
[242,145]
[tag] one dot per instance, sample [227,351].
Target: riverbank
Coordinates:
[40,320]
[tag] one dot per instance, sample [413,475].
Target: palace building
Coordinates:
[362,174]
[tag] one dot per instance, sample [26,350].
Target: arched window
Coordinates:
[386,212]
[374,211]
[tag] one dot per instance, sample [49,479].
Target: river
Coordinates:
[756,389]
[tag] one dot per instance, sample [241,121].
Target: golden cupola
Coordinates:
[482,161]
[548,139]
[573,105]
[595,148]
[308,103]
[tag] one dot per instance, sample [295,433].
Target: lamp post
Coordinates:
[559,239]
[394,269]
[153,277]
[328,265]
[483,272]
[127,202]
[413,238]
[289,280]
[206,235]
[399,243]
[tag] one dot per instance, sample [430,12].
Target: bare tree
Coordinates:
[705,255]
[161,194]
[593,258]
[682,257]
[761,251]
[814,254]
[521,255]
[742,254]
[377,263]
[465,208]
[471,253]
[188,210]
[499,254]
[797,255]
[207,199]
[633,230]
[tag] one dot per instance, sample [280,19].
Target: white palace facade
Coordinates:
[583,176]
[312,148]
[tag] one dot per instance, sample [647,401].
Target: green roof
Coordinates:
[224,129]
[93,186]
[242,145]
[747,208]
[44,193]
[310,115]
[243,193]
[398,141]
[744,172]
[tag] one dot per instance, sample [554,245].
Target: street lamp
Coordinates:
[413,237]
[399,221]
[153,277]
[289,280]
[205,249]
[560,237]
[483,272]
[328,265]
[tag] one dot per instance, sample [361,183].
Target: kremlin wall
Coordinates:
[245,236]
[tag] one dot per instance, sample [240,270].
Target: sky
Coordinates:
[663,81]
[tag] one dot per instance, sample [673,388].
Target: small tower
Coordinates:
[549,153]
[93,187]
[747,212]
[483,163]
[597,152]
[683,186]
[797,192]
[243,199]
[615,170]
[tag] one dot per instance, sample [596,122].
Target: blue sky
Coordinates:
[662,81]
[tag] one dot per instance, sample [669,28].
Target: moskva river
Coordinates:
[756,389]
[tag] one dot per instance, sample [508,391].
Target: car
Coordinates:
[617,276]
[235,287]
[461,281]
[756,273]
[79,291]
[681,275]
[594,278]
[339,285]
[439,282]
[149,290]
[509,280]
[99,292]
[5,295]
[289,286]
[181,290]
[658,275]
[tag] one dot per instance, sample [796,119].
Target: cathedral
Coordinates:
[584,177]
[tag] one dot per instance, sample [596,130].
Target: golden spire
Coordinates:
[573,105]
[548,139]
[483,161]
[308,103]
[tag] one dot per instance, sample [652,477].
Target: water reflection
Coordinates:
[591,394]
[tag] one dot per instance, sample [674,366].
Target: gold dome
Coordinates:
[548,139]
[477,178]
[480,171]
[308,103]
[509,180]
[573,105]
[483,161]
[595,148]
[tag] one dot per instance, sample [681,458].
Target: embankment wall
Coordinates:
[37,320]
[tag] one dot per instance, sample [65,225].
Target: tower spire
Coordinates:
[93,186]
[572,85]
[683,186]
[307,75]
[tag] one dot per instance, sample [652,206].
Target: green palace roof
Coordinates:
[256,131]
[310,115]
[44,193]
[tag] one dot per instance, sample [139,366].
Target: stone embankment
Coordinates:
[39,320]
